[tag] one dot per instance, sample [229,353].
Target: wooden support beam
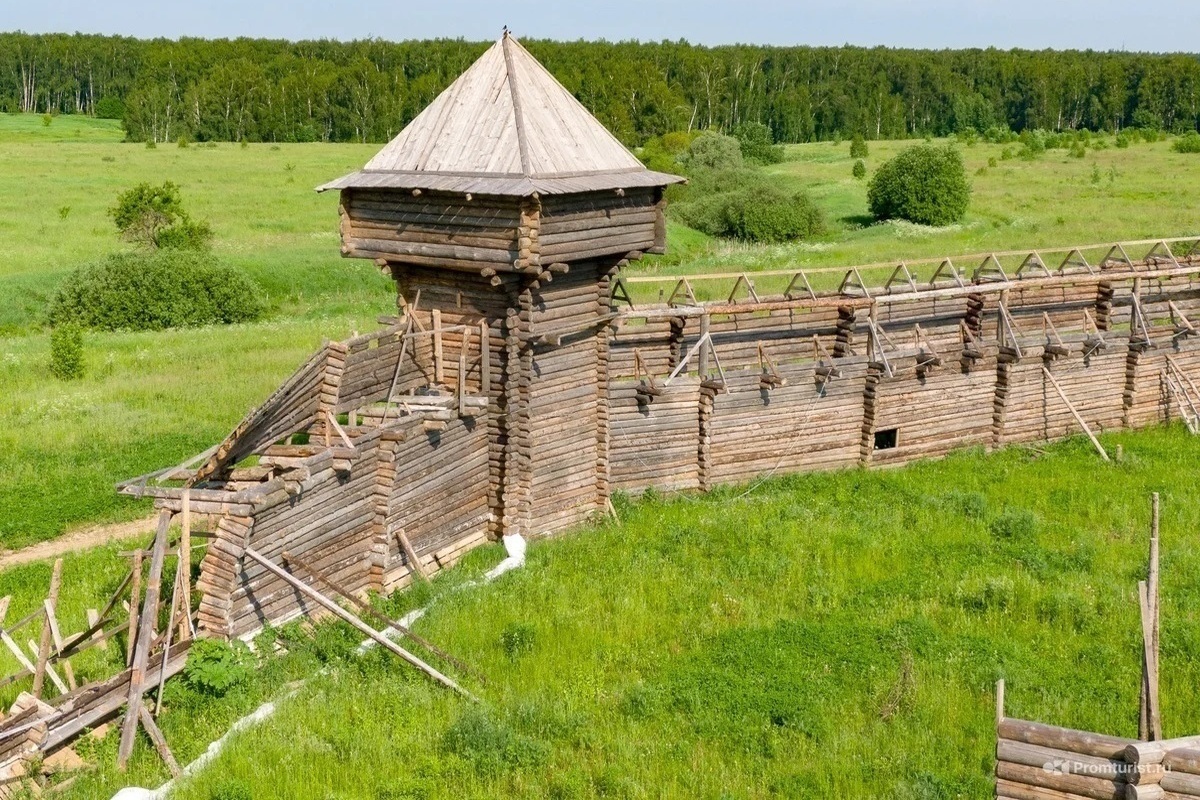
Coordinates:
[354,621]
[141,651]
[439,372]
[1074,413]
[370,610]
[135,599]
[185,567]
[156,736]
[43,649]
[1150,718]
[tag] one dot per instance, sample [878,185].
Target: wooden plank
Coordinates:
[354,621]
[156,735]
[137,677]
[43,649]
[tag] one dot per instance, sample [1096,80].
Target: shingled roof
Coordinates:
[505,127]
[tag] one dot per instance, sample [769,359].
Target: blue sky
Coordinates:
[1157,25]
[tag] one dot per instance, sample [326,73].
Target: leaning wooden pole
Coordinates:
[141,648]
[1150,717]
[354,621]
[1071,407]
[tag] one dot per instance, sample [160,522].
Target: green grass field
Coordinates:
[833,635]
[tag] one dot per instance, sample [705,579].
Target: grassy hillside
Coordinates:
[831,635]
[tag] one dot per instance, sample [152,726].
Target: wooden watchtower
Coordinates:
[502,212]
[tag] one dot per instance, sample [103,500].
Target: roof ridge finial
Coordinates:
[507,32]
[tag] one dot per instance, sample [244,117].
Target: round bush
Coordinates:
[1188,144]
[923,184]
[765,214]
[860,169]
[153,291]
[715,152]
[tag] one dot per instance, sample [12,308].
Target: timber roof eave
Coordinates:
[507,185]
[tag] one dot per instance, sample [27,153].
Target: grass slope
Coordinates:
[830,635]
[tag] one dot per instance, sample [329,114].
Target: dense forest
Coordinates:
[267,90]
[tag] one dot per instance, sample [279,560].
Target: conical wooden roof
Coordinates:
[506,127]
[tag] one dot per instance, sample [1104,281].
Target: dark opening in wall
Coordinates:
[886,439]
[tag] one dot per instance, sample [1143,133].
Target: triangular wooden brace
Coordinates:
[648,387]
[990,271]
[1109,261]
[876,339]
[743,280]
[1094,338]
[853,280]
[947,265]
[620,292]
[1033,261]
[769,377]
[1054,346]
[684,287]
[1183,326]
[972,348]
[1007,330]
[826,369]
[803,279]
[1161,254]
[901,271]
[1075,259]
[927,357]
[1139,328]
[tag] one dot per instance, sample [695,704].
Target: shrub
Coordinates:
[858,146]
[714,152]
[153,216]
[742,204]
[46,120]
[110,108]
[860,169]
[1187,144]
[215,666]
[923,184]
[153,291]
[1122,140]
[231,789]
[757,143]
[66,351]
[182,142]
[764,213]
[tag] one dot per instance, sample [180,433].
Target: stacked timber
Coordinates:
[1043,761]
[564,399]
[437,498]
[654,438]
[808,423]
[578,227]
[1033,409]
[1180,769]
[931,411]
[649,340]
[431,228]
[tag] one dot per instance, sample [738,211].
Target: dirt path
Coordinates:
[75,541]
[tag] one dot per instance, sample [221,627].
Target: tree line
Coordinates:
[272,90]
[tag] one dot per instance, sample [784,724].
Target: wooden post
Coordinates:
[999,701]
[702,364]
[354,621]
[438,370]
[1075,414]
[141,651]
[185,567]
[93,619]
[162,674]
[135,597]
[485,359]
[156,735]
[1150,717]
[43,650]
